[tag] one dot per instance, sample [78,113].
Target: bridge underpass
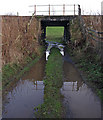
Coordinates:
[56,21]
[56,15]
[78,98]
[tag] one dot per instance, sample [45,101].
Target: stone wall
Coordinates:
[19,38]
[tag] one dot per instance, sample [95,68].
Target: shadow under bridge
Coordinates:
[56,21]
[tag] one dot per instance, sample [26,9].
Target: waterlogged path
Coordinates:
[26,94]
[79,100]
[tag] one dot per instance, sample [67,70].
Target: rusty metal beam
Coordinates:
[49,9]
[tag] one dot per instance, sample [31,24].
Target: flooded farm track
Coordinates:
[27,93]
[79,100]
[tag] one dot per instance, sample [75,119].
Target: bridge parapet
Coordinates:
[57,10]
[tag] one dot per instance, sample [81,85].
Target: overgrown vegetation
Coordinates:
[89,63]
[86,58]
[52,106]
[54,34]
[93,21]
[76,34]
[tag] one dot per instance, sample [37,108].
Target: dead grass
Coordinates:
[19,40]
[93,21]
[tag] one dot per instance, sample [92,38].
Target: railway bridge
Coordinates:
[56,15]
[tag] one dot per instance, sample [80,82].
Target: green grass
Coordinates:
[86,58]
[94,74]
[52,106]
[100,93]
[89,63]
[54,33]
[15,71]
[7,72]
[10,72]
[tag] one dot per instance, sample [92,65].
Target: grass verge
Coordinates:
[52,106]
[11,72]
[14,71]
[88,62]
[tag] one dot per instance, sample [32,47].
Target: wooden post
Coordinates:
[74,9]
[49,9]
[63,9]
[79,10]
[34,9]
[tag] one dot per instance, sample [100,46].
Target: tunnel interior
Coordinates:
[55,23]
[55,33]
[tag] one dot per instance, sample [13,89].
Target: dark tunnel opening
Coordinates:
[55,23]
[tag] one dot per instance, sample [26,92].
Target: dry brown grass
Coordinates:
[19,40]
[94,21]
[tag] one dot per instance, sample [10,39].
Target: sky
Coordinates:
[90,7]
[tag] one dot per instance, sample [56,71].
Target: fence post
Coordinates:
[49,9]
[63,9]
[79,10]
[34,9]
[74,9]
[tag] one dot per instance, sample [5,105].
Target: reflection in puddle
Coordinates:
[70,86]
[23,99]
[27,94]
[79,99]
[82,103]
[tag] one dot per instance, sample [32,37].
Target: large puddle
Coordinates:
[27,93]
[79,100]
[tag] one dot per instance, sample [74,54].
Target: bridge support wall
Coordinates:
[66,33]
[43,33]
